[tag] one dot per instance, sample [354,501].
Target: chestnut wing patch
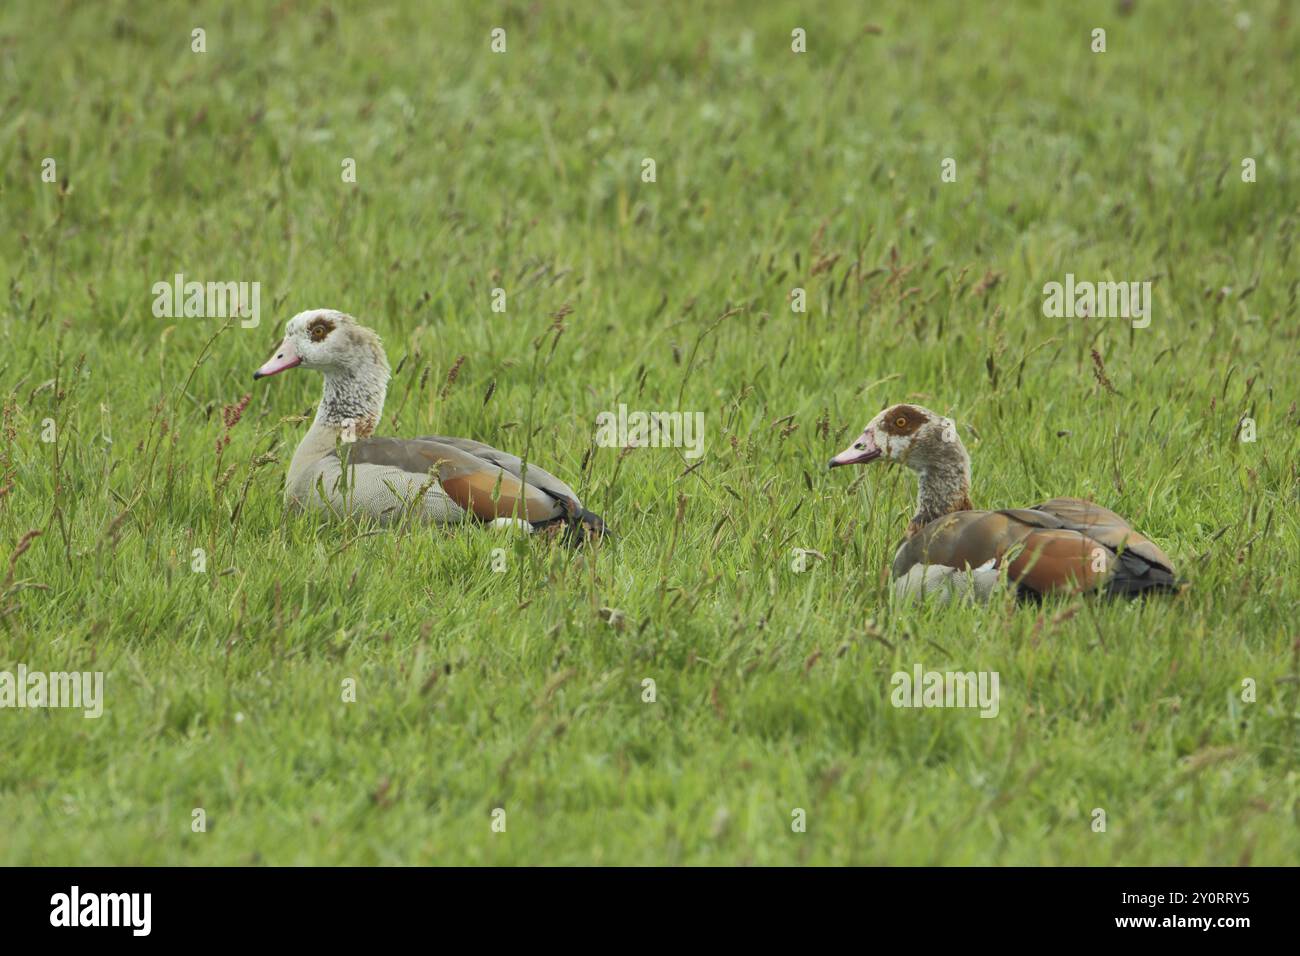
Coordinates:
[1059,560]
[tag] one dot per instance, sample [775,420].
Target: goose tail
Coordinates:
[577,526]
[1134,577]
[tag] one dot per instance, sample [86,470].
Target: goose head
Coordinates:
[925,442]
[328,341]
[909,434]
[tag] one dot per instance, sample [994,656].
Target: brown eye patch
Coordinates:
[319,328]
[903,419]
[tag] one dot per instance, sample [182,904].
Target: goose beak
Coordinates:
[860,452]
[286,356]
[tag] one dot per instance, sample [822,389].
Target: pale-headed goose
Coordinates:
[1065,545]
[434,478]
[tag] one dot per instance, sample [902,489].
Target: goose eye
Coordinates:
[318,333]
[900,421]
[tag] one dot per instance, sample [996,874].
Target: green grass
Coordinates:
[478,690]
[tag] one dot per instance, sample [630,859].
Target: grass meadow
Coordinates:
[523,690]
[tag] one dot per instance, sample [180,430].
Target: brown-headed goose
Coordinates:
[1065,545]
[433,478]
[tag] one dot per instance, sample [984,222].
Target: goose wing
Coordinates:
[1043,551]
[514,465]
[482,485]
[1105,526]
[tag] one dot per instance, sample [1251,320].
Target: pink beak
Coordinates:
[285,357]
[863,450]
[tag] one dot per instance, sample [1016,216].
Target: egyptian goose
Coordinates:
[1065,545]
[433,478]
